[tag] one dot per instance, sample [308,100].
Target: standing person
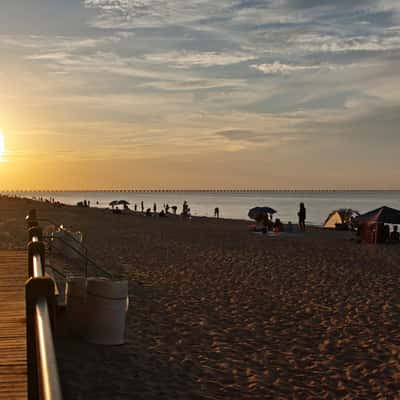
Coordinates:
[216,212]
[302,217]
[142,205]
[185,207]
[135,207]
[394,235]
[154,207]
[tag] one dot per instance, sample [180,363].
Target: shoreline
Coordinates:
[236,205]
[133,213]
[142,214]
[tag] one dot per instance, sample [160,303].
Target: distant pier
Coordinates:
[239,190]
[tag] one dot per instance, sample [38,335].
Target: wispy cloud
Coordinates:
[57,43]
[151,13]
[195,84]
[187,59]
[242,135]
[312,42]
[278,68]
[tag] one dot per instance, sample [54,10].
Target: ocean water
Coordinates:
[236,205]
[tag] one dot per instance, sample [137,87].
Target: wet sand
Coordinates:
[219,313]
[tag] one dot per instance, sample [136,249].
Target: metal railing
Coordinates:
[50,382]
[43,377]
[70,236]
[84,256]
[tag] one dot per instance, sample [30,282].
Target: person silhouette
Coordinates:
[394,235]
[302,217]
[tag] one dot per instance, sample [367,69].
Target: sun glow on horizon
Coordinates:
[2,147]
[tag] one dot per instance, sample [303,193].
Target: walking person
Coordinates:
[302,217]
[154,208]
[216,212]
[142,205]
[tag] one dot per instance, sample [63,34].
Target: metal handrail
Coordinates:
[65,232]
[56,271]
[50,383]
[49,378]
[37,266]
[84,255]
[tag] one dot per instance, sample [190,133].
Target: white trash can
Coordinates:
[106,305]
[75,293]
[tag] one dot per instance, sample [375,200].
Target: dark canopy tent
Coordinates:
[371,224]
[385,215]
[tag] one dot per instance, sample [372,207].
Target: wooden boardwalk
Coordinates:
[13,362]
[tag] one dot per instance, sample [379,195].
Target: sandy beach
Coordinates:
[217,312]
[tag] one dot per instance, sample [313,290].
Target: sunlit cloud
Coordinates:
[151,13]
[277,67]
[57,43]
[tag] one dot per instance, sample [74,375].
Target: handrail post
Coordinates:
[35,231]
[31,219]
[35,248]
[36,288]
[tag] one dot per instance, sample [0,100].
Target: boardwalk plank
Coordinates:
[13,363]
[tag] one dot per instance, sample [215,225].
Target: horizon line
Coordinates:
[239,190]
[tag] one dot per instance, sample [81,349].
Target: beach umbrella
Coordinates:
[123,202]
[260,212]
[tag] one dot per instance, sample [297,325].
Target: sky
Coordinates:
[179,94]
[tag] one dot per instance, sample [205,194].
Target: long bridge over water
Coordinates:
[232,190]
